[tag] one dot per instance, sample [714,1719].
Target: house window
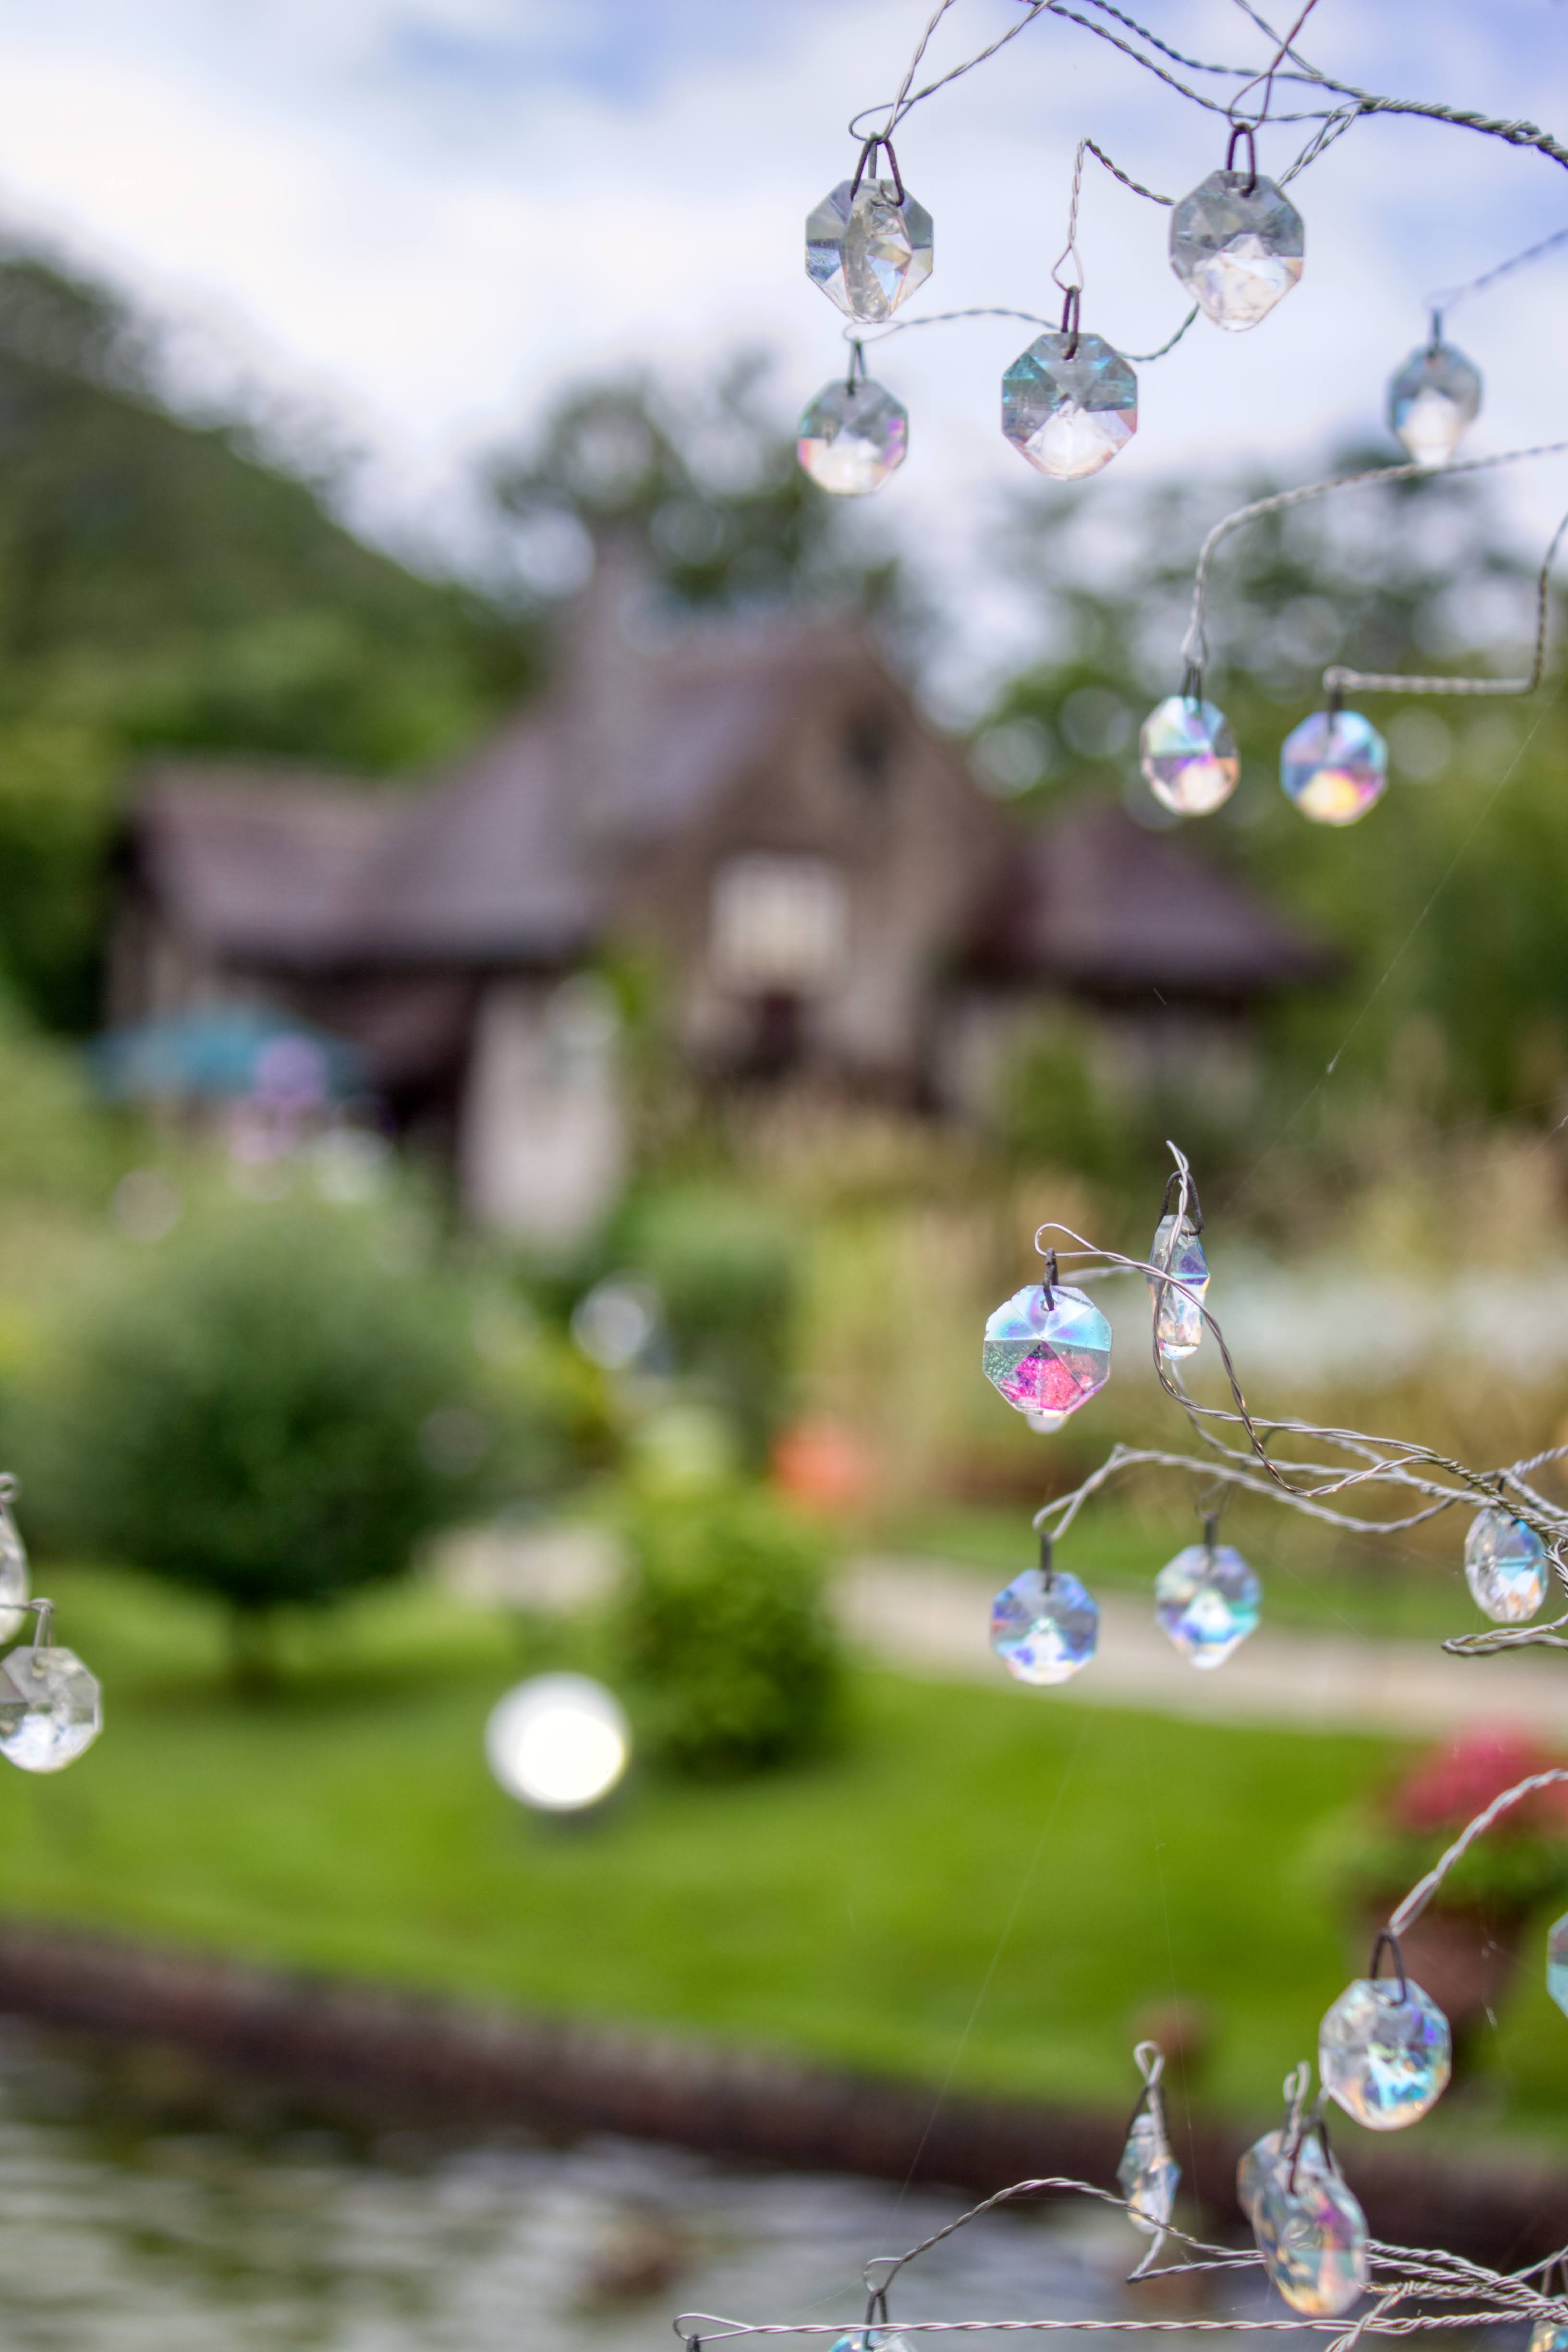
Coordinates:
[780,925]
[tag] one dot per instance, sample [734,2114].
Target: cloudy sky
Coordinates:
[423,215]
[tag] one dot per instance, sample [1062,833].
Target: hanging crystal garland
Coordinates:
[1178,1253]
[1208,1599]
[1309,2226]
[1505,1567]
[1186,750]
[1433,399]
[854,433]
[1148,2175]
[1385,2052]
[51,1707]
[1047,1348]
[1335,766]
[868,243]
[1237,241]
[1045,1625]
[1069,403]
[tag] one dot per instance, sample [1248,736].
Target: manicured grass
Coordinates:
[980,1887]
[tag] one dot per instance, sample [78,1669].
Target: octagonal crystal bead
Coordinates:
[1237,244]
[852,436]
[1385,2055]
[1046,1358]
[869,252]
[1432,402]
[13,1578]
[1548,2335]
[1178,1316]
[50,1708]
[1148,2175]
[1044,1626]
[1068,403]
[1312,2233]
[1335,766]
[1261,2157]
[1208,1601]
[1188,755]
[1505,1567]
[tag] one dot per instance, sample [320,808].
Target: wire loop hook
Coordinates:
[1240,130]
[1386,1937]
[867,156]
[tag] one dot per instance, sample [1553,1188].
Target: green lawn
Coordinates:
[983,1885]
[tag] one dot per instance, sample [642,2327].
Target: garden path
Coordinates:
[927,1619]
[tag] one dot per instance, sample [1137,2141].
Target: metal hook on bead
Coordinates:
[1238,131]
[1071,299]
[1049,1281]
[867,155]
[1174,1183]
[857,364]
[1385,1936]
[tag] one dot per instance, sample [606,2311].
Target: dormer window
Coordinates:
[780,924]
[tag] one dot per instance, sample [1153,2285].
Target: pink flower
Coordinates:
[1450,1785]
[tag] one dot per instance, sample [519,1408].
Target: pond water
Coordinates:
[125,2230]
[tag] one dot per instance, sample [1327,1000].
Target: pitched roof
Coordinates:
[1095,901]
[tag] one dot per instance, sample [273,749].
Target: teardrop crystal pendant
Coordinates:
[1046,1349]
[1178,1313]
[1236,245]
[51,1708]
[1312,2233]
[1187,751]
[1557,1963]
[12,1575]
[852,436]
[1334,767]
[1208,1601]
[868,243]
[1505,1567]
[1070,404]
[1148,2175]
[1434,400]
[1384,2052]
[1044,1626]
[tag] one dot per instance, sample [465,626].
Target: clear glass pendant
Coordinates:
[12,1577]
[1335,766]
[1070,404]
[1148,2174]
[1208,1601]
[868,246]
[51,1708]
[873,2339]
[1187,752]
[852,436]
[1548,2335]
[1434,400]
[1505,1567]
[1046,1349]
[1044,1626]
[1236,245]
[1311,2231]
[1178,1317]
[1384,2052]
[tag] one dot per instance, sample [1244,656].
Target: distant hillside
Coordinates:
[159,583]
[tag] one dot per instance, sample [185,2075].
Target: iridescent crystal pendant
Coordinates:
[873,2339]
[12,1577]
[1237,244]
[1335,766]
[1505,1567]
[1044,1626]
[1312,2233]
[50,1708]
[1148,2174]
[1208,1601]
[868,243]
[1384,2052]
[1187,752]
[852,436]
[1046,1349]
[1178,1313]
[1548,2335]
[1068,403]
[1434,400]
[1557,1963]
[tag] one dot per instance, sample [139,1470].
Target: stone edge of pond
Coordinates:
[357,2053]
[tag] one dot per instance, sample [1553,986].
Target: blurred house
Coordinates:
[757,810]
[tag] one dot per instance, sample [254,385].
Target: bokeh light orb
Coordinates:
[559,1743]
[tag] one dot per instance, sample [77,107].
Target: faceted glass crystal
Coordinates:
[852,436]
[1431,402]
[1188,755]
[1044,1626]
[1335,766]
[1178,1319]
[869,255]
[12,1577]
[1311,2234]
[872,2340]
[1260,2159]
[1505,1567]
[1069,415]
[1046,1360]
[1386,2059]
[50,1708]
[1546,2335]
[1557,1963]
[1237,244]
[1208,1601]
[1148,2174]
